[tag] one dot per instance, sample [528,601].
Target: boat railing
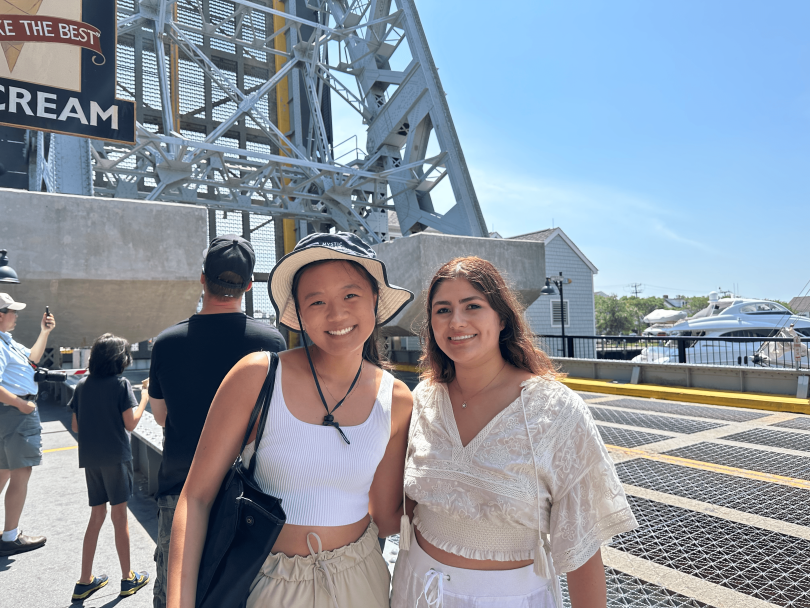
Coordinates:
[776,352]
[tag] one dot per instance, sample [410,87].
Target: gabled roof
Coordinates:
[540,236]
[800,304]
[549,234]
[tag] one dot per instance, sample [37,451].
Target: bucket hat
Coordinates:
[338,246]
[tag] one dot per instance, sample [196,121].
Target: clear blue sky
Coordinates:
[670,140]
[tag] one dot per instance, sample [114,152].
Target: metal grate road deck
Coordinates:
[802,423]
[628,438]
[774,439]
[751,459]
[766,565]
[668,407]
[625,591]
[590,396]
[661,423]
[748,495]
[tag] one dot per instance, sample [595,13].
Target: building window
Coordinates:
[555,313]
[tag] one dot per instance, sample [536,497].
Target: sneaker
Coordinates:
[129,586]
[22,544]
[82,592]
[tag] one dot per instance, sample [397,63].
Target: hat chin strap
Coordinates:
[329,419]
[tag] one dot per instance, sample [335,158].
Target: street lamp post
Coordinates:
[7,273]
[548,290]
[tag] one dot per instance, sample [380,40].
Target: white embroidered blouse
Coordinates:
[480,501]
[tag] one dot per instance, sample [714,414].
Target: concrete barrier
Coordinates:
[412,261]
[102,265]
[721,378]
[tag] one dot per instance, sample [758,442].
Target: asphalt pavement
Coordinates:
[57,508]
[722,496]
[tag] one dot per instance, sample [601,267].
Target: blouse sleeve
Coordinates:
[589,506]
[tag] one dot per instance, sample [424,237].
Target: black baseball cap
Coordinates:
[229,253]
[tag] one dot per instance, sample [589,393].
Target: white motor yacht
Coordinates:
[726,318]
[662,320]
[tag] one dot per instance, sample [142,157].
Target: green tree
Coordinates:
[785,304]
[697,303]
[612,316]
[638,308]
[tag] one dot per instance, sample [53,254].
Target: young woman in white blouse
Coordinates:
[512,483]
[334,441]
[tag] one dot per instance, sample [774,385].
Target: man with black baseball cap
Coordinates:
[189,362]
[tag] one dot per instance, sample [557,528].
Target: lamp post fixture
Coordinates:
[7,273]
[548,290]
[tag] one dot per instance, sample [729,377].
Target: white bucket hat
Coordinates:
[338,246]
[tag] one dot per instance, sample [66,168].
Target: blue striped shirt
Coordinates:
[16,374]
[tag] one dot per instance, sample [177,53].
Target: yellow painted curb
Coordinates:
[757,401]
[71,447]
[715,468]
[406,367]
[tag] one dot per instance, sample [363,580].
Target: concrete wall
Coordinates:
[741,379]
[412,261]
[579,294]
[102,265]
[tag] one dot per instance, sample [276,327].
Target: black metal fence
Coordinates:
[784,353]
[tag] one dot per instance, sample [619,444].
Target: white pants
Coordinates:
[422,582]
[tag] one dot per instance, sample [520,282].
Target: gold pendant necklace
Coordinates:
[465,400]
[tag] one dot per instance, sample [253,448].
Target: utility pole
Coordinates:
[636,288]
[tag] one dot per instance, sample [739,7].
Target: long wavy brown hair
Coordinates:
[516,340]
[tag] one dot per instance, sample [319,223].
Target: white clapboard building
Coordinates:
[562,255]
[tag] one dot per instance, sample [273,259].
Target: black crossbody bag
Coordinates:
[243,525]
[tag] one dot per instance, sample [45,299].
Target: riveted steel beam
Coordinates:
[368,56]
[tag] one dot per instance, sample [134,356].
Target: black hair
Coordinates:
[371,349]
[109,356]
[220,292]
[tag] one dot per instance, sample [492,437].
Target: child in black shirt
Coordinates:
[103,417]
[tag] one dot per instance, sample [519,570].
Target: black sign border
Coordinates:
[116,98]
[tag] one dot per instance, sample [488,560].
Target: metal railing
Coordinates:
[782,353]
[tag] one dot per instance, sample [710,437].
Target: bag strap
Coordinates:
[10,344]
[268,383]
[263,405]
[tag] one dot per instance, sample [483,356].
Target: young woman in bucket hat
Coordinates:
[512,482]
[334,443]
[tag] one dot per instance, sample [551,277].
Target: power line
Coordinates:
[678,289]
[636,288]
[675,289]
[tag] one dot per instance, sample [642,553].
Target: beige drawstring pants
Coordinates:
[352,576]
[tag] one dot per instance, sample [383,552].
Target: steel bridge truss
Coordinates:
[214,82]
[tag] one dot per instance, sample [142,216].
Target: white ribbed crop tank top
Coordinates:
[321,480]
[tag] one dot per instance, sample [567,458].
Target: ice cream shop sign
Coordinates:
[57,72]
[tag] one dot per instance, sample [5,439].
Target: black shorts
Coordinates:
[112,484]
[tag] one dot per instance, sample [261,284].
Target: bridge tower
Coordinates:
[240,104]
